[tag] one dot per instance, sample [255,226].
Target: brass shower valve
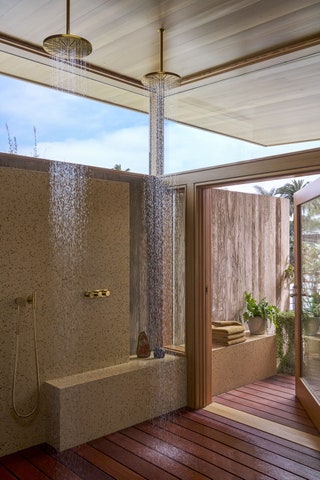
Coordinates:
[102,293]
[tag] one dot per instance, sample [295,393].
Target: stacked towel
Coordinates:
[227,333]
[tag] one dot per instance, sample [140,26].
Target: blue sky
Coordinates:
[75,129]
[71,128]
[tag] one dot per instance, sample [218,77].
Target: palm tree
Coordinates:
[286,191]
[289,189]
[262,191]
[118,167]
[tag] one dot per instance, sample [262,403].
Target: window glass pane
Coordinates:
[50,124]
[188,148]
[176,320]
[310,276]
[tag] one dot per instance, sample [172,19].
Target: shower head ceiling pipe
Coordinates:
[167,79]
[67,45]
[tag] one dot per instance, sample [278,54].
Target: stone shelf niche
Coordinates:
[89,405]
[244,363]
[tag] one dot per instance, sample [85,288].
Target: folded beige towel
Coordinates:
[230,342]
[228,330]
[219,336]
[223,323]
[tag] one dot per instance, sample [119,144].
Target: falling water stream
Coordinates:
[69,75]
[159,208]
[68,221]
[68,185]
[68,208]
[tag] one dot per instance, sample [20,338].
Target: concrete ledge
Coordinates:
[89,405]
[247,362]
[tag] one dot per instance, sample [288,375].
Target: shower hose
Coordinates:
[21,302]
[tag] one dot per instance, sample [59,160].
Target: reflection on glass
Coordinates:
[178,265]
[310,276]
[157,268]
[174,269]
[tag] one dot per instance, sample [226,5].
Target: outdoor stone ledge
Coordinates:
[237,365]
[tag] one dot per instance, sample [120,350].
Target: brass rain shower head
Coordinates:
[67,45]
[167,79]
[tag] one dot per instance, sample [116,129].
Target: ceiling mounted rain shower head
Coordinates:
[167,79]
[66,45]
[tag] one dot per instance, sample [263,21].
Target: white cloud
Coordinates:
[127,146]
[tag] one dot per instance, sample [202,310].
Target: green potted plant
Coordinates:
[257,312]
[311,318]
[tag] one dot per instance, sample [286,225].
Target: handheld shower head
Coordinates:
[32,299]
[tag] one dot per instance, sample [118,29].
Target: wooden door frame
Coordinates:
[198,321]
[303,391]
[200,335]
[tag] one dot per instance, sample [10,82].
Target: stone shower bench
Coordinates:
[237,365]
[86,406]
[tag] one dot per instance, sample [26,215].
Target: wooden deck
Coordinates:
[272,399]
[188,444]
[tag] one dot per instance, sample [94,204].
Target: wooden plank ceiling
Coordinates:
[250,69]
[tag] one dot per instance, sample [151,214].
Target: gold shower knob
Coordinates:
[104,292]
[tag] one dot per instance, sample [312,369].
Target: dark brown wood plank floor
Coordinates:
[186,445]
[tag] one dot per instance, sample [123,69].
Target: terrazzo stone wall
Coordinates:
[244,363]
[75,333]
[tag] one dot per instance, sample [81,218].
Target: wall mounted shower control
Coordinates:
[102,293]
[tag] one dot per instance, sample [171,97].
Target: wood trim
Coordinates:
[303,392]
[308,401]
[198,338]
[102,72]
[277,166]
[176,350]
[259,57]
[297,290]
[282,431]
[203,296]
[206,297]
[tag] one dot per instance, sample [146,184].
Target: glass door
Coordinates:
[307,268]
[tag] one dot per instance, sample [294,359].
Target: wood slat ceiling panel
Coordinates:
[271,106]
[199,34]
[268,106]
